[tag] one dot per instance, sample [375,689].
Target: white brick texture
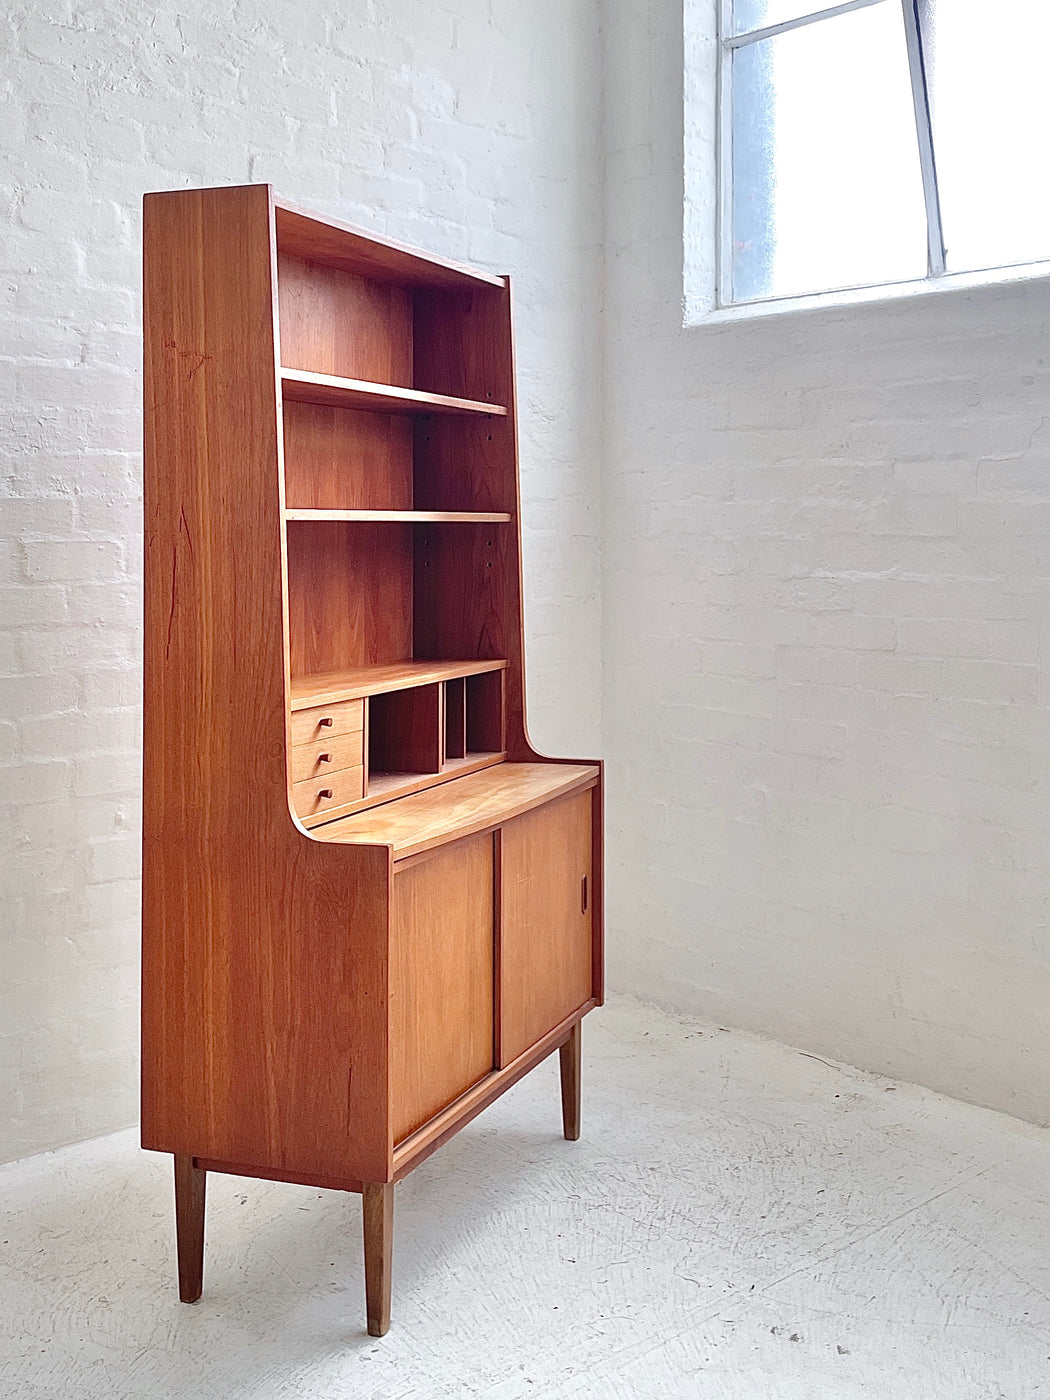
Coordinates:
[826,603]
[469,128]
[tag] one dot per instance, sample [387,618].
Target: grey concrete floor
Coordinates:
[739,1220]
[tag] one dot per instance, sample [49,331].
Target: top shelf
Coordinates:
[302,386]
[341,245]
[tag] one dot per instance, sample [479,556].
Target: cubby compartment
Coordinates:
[394,330]
[404,732]
[486,710]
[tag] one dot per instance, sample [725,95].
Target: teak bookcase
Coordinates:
[369,906]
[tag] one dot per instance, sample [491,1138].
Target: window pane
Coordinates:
[990,106]
[827,190]
[756,14]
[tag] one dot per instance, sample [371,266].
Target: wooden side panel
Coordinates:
[441,981]
[343,459]
[545,950]
[349,594]
[335,322]
[264,971]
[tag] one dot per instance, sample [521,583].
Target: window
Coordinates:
[879,141]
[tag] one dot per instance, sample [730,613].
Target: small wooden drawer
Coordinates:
[319,795]
[323,756]
[326,721]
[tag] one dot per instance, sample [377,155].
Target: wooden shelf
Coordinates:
[302,386]
[474,803]
[411,517]
[351,684]
[341,245]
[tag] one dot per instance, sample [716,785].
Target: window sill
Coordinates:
[861,296]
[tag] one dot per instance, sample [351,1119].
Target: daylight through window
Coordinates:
[878,141]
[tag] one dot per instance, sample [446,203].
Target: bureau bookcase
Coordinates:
[369,906]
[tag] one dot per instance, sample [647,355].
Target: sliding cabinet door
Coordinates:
[441,981]
[546,894]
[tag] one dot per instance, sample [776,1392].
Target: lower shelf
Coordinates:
[385,787]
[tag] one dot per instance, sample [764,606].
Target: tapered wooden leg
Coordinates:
[569,1056]
[378,1212]
[190,1184]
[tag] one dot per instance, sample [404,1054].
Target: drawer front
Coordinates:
[323,756]
[326,721]
[312,799]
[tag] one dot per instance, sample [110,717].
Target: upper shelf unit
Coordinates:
[334,391]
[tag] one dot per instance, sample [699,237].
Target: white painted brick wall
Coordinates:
[469,128]
[826,571]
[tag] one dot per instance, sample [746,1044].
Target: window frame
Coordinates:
[727,42]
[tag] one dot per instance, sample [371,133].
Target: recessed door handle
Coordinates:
[325,792]
[583,895]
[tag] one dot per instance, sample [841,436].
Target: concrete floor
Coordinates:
[740,1220]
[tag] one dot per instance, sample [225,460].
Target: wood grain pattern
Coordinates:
[486,723]
[441,981]
[476,803]
[349,598]
[377,1216]
[329,240]
[386,787]
[325,756]
[319,799]
[326,1005]
[405,731]
[418,1147]
[334,322]
[570,1054]
[303,386]
[326,721]
[545,924]
[190,1189]
[347,684]
[411,517]
[456,718]
[263,1033]
[339,458]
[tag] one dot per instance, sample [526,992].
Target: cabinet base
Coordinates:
[191,1174]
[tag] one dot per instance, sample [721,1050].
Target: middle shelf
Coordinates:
[355,682]
[410,517]
[336,391]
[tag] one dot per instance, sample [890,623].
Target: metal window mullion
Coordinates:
[724,158]
[920,94]
[769,31]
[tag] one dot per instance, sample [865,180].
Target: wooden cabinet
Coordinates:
[369,905]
